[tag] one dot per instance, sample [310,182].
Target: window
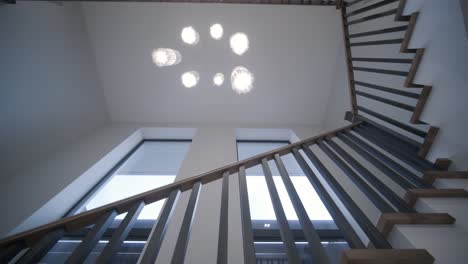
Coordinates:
[268,244]
[152,164]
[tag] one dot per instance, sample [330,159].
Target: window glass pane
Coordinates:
[259,198]
[152,165]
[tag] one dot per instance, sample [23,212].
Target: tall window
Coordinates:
[153,164]
[268,245]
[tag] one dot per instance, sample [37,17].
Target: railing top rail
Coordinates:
[121,206]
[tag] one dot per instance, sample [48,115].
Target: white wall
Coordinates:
[50,93]
[444,67]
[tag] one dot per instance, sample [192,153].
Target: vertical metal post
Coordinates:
[318,252]
[376,162]
[350,235]
[379,241]
[40,248]
[388,193]
[180,250]
[223,221]
[410,176]
[153,245]
[373,196]
[247,234]
[285,231]
[121,233]
[87,244]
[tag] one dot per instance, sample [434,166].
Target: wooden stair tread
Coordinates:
[386,256]
[389,220]
[431,176]
[412,195]
[428,140]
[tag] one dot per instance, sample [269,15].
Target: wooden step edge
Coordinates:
[431,176]
[412,195]
[428,141]
[388,220]
[400,9]
[443,164]
[404,48]
[386,256]
[409,81]
[423,97]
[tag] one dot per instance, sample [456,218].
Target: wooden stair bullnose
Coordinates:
[386,256]
[431,176]
[389,220]
[412,195]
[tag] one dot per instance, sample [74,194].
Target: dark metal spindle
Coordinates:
[42,247]
[224,221]
[373,196]
[180,250]
[285,231]
[391,196]
[247,234]
[349,233]
[376,162]
[377,239]
[318,252]
[121,233]
[410,176]
[87,244]
[153,245]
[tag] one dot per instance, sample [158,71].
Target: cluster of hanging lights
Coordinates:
[241,78]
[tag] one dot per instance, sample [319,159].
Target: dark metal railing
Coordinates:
[39,241]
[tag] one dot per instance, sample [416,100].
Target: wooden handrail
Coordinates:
[122,206]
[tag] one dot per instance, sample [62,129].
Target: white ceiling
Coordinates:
[292,55]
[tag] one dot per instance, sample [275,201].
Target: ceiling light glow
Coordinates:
[166,57]
[218,79]
[216,31]
[239,43]
[241,80]
[190,35]
[190,79]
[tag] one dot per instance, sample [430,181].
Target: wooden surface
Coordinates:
[423,96]
[389,220]
[431,176]
[386,256]
[412,195]
[428,141]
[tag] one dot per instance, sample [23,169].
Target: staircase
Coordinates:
[381,153]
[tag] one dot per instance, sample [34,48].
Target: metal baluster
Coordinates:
[350,235]
[367,226]
[285,231]
[318,252]
[87,244]
[376,162]
[224,221]
[42,247]
[373,196]
[388,193]
[153,245]
[121,233]
[184,233]
[413,178]
[247,234]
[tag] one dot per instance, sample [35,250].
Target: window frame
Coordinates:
[108,175]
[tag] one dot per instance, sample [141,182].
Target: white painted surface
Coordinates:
[289,53]
[50,92]
[47,190]
[440,29]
